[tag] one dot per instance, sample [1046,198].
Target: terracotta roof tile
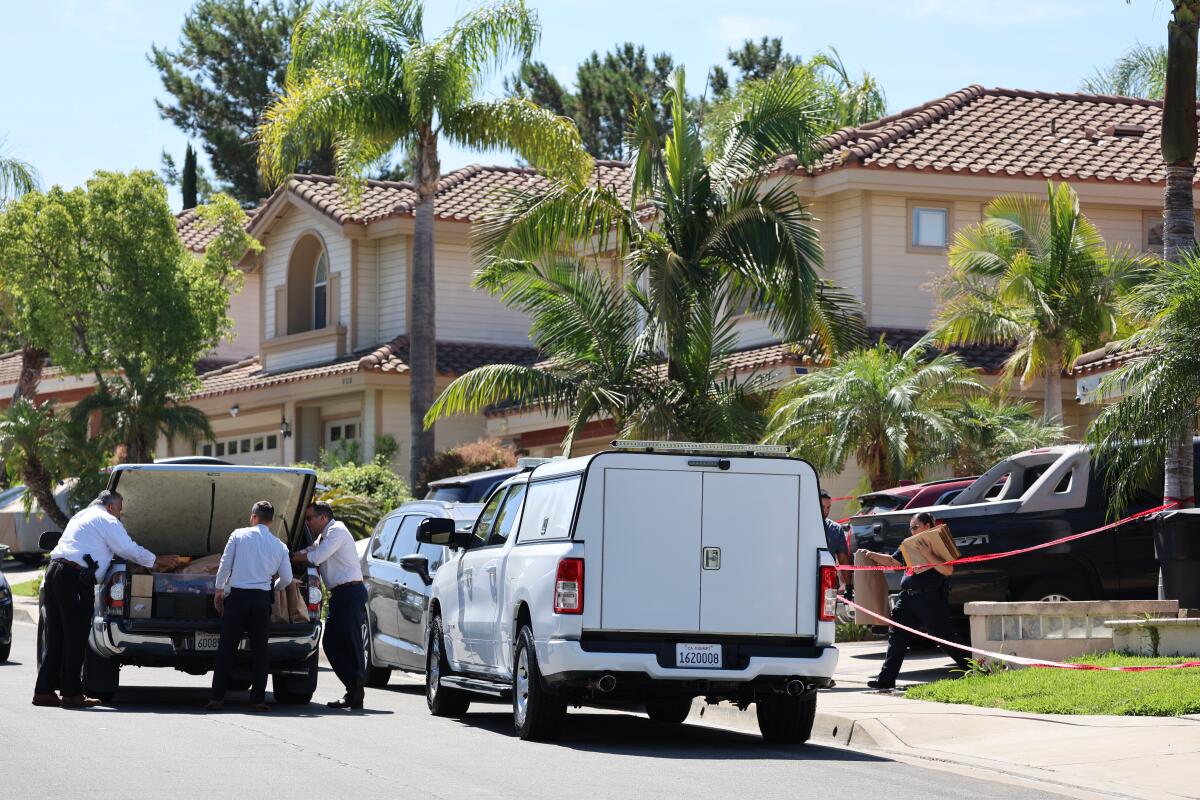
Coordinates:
[1009,132]
[195,237]
[1106,358]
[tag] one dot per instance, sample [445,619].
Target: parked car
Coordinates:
[638,578]
[396,594]
[191,509]
[913,495]
[6,612]
[472,488]
[1027,499]
[21,531]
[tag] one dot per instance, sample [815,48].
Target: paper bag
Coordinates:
[289,606]
[870,592]
[941,546]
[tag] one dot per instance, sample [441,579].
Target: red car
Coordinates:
[913,495]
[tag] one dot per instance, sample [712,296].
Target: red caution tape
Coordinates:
[1028,662]
[1010,553]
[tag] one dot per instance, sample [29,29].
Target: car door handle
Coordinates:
[491,570]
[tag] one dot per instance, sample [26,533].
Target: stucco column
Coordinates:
[287,445]
[370,422]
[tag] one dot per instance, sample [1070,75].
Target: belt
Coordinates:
[67,563]
[915,592]
[347,583]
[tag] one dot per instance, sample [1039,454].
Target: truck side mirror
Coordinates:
[49,540]
[435,530]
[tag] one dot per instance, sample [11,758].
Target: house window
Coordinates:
[337,432]
[320,292]
[207,450]
[930,226]
[1152,231]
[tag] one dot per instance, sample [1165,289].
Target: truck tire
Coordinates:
[377,677]
[538,713]
[296,690]
[670,710]
[787,720]
[101,676]
[443,701]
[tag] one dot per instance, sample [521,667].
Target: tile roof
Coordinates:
[1009,132]
[1105,358]
[10,368]
[453,358]
[196,237]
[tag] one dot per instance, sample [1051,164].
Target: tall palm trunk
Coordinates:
[1052,401]
[33,360]
[1179,222]
[38,481]
[422,330]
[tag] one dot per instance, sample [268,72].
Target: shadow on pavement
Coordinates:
[626,734]
[170,700]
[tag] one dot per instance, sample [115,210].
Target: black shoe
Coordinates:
[875,683]
[352,700]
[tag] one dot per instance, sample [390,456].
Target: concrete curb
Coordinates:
[837,728]
[25,609]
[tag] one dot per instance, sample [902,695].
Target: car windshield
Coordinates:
[475,491]
[881,503]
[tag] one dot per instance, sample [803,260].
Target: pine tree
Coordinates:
[188,185]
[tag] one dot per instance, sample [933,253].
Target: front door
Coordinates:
[411,594]
[481,614]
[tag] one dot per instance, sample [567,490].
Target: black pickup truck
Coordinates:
[1031,498]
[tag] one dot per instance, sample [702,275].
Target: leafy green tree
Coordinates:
[174,176]
[894,413]
[1140,72]
[606,89]
[188,181]
[757,60]
[720,233]
[1039,276]
[365,73]
[989,428]
[101,281]
[228,67]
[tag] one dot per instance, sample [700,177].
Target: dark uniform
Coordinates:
[835,538]
[922,605]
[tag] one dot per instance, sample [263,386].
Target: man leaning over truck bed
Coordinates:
[253,557]
[83,553]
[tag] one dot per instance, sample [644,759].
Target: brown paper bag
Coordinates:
[870,592]
[941,546]
[297,607]
[279,609]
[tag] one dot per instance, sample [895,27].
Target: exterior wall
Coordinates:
[362,291]
[243,310]
[292,224]
[301,355]
[465,314]
[1119,226]
[391,293]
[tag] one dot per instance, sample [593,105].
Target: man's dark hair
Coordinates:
[825,495]
[925,518]
[108,498]
[264,511]
[323,509]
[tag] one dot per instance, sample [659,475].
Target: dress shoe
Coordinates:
[352,701]
[79,701]
[48,700]
[875,683]
[215,705]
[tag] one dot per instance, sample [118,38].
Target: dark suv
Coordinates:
[473,488]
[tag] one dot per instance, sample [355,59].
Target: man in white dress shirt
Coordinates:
[335,556]
[252,559]
[93,535]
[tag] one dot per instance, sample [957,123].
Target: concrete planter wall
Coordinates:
[1163,637]
[1055,631]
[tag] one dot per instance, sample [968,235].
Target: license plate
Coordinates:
[698,656]
[207,641]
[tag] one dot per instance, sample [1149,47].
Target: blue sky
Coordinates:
[77,94]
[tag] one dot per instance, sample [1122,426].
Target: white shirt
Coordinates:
[95,532]
[336,556]
[252,558]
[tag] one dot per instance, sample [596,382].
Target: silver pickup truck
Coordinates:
[190,510]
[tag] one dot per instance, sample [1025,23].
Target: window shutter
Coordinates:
[334,309]
[281,311]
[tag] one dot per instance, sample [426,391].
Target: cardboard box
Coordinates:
[940,545]
[140,608]
[143,586]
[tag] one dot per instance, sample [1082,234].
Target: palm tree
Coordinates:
[989,428]
[1159,387]
[855,101]
[698,232]
[1140,72]
[33,444]
[894,413]
[136,406]
[364,76]
[599,359]
[17,177]
[1036,275]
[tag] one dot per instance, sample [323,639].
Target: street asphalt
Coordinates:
[157,741]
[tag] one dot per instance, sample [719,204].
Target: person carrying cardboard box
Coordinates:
[923,596]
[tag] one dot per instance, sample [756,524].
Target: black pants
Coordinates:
[247,611]
[343,642]
[928,611]
[68,600]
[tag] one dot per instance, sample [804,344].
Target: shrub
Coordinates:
[462,459]
[361,493]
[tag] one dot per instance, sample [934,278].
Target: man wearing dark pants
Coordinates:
[335,556]
[253,557]
[93,535]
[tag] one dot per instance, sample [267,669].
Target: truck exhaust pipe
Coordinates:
[606,683]
[794,688]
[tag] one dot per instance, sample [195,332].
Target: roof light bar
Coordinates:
[529,462]
[647,446]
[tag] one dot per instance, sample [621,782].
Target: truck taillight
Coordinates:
[313,581]
[568,587]
[114,593]
[827,599]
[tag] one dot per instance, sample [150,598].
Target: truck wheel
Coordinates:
[787,720]
[671,710]
[538,713]
[296,690]
[443,701]
[377,677]
[101,676]
[1052,589]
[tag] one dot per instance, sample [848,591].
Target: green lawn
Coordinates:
[1163,693]
[28,588]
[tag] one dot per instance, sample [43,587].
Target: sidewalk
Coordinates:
[1130,757]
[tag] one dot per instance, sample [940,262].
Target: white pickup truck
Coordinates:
[639,578]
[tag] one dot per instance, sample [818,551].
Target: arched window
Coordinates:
[320,291]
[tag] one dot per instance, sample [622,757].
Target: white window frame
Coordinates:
[913,206]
